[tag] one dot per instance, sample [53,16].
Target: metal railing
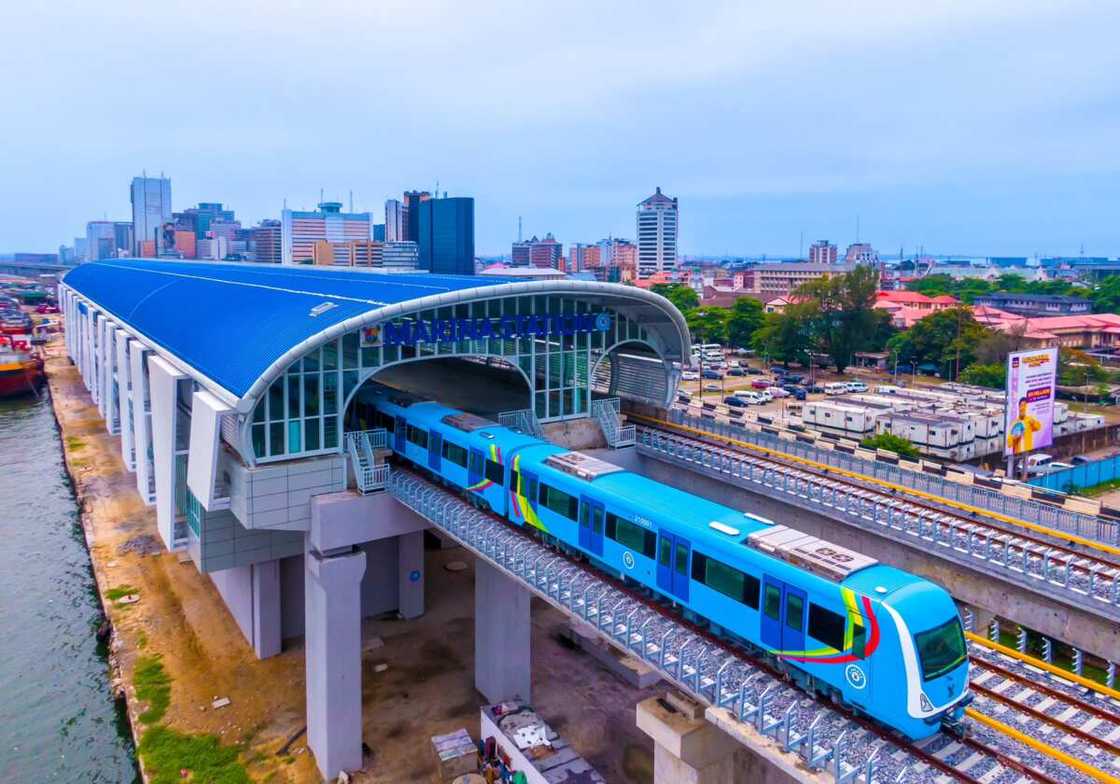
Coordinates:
[823,738]
[963,541]
[524,420]
[1088,526]
[606,412]
[369,476]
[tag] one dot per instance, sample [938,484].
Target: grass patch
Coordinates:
[165,752]
[153,686]
[74,443]
[1094,490]
[142,640]
[120,592]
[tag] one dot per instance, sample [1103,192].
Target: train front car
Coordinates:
[920,670]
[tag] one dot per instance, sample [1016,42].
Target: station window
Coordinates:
[455,453]
[633,536]
[826,626]
[559,502]
[495,473]
[726,579]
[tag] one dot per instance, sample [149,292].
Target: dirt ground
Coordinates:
[426,690]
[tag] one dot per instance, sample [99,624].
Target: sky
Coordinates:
[986,127]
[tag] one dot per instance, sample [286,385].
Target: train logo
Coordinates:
[628,559]
[856,677]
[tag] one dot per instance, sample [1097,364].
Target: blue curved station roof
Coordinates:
[232,321]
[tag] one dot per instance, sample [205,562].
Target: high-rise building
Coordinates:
[410,215]
[122,234]
[822,252]
[81,249]
[579,257]
[657,221]
[394,221]
[101,240]
[213,248]
[446,235]
[400,255]
[861,253]
[198,219]
[300,230]
[151,208]
[539,253]
[267,242]
[377,232]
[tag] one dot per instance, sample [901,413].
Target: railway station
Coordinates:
[276,426]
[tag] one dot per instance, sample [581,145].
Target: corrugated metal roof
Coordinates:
[232,321]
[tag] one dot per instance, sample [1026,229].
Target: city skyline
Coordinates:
[979,130]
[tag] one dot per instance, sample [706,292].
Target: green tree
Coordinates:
[783,337]
[1106,295]
[684,297]
[1076,368]
[947,338]
[746,318]
[902,447]
[708,325]
[845,318]
[992,375]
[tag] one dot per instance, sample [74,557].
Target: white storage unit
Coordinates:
[840,417]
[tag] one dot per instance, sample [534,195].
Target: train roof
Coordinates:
[474,429]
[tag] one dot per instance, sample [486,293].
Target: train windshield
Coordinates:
[941,649]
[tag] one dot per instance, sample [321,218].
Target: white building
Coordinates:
[400,255]
[151,208]
[394,221]
[657,235]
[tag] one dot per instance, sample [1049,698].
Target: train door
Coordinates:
[435,448]
[673,555]
[783,616]
[591,515]
[475,467]
[399,426]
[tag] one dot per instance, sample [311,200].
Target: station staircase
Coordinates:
[613,423]
[524,420]
[367,450]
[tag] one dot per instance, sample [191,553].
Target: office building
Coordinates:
[538,253]
[400,255]
[861,253]
[410,215]
[300,230]
[213,248]
[822,252]
[186,244]
[769,281]
[267,242]
[394,221]
[377,232]
[198,219]
[579,256]
[446,235]
[1035,304]
[101,240]
[81,249]
[151,208]
[657,222]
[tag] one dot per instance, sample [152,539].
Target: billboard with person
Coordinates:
[1029,421]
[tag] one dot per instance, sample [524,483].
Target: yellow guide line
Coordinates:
[1039,746]
[1081,540]
[1099,688]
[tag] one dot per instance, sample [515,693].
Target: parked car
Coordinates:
[753,371]
[798,393]
[857,386]
[713,374]
[1057,466]
[779,370]
[778,392]
[736,402]
[761,383]
[713,388]
[736,372]
[1039,463]
[836,388]
[689,375]
[764,396]
[747,396]
[1080,460]
[814,389]
[793,378]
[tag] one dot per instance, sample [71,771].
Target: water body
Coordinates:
[57,719]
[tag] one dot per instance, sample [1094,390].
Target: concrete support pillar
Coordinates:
[266,609]
[689,750]
[410,574]
[502,632]
[333,636]
[981,620]
[163,382]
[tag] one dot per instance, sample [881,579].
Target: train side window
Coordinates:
[859,640]
[666,554]
[682,560]
[629,535]
[726,579]
[515,481]
[416,436]
[476,463]
[495,473]
[559,502]
[531,490]
[795,612]
[773,606]
[826,626]
[455,453]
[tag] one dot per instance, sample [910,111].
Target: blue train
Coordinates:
[881,641]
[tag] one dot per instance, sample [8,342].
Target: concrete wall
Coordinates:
[291,597]
[223,543]
[379,583]
[277,496]
[236,588]
[1036,611]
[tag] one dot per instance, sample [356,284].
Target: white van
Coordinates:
[836,388]
[1039,463]
[748,395]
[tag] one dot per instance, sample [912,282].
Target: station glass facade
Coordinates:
[556,350]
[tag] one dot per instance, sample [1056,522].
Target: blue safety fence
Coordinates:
[1084,475]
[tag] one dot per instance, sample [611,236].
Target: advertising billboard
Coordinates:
[1029,419]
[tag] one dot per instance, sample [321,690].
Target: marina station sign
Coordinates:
[409,333]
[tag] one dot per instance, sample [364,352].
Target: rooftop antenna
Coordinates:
[351,200]
[519,228]
[320,198]
[436,196]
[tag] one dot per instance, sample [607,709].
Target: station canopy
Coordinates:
[238,328]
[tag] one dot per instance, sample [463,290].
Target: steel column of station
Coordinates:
[502,632]
[333,653]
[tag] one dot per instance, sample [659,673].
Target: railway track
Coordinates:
[1094,574]
[987,756]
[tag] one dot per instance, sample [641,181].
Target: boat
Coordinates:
[21,371]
